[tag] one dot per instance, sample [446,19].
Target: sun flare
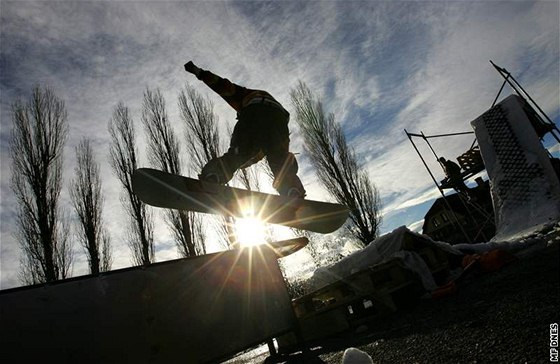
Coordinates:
[250,230]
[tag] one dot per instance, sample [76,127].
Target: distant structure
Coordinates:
[466,216]
[477,220]
[523,191]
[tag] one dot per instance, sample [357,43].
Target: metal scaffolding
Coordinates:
[540,121]
[440,187]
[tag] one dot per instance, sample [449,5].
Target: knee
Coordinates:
[283,162]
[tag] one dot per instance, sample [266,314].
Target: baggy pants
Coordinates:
[261,130]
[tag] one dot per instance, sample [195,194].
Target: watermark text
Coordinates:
[554,343]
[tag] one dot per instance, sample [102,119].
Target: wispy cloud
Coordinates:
[380,67]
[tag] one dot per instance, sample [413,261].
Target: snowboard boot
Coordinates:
[211,182]
[210,177]
[295,192]
[289,187]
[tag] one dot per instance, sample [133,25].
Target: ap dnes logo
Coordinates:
[554,343]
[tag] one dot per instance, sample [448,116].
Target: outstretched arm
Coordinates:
[233,94]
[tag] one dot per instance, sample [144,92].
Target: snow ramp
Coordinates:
[525,189]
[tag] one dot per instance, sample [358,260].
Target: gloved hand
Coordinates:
[190,67]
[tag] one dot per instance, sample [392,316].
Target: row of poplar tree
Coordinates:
[40,130]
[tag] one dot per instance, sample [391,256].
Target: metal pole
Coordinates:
[446,135]
[429,145]
[501,71]
[499,92]
[437,184]
[422,158]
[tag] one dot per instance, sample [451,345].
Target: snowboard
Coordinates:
[166,190]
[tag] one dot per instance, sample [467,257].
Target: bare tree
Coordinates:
[203,141]
[85,192]
[39,132]
[201,129]
[124,161]
[336,165]
[163,152]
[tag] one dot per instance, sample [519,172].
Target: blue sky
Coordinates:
[380,67]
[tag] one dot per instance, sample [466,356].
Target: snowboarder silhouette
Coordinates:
[261,130]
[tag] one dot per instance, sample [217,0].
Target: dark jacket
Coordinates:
[236,96]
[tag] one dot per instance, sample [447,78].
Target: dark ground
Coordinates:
[499,317]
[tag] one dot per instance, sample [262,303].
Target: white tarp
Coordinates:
[378,251]
[519,246]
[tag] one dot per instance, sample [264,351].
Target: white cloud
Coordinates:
[555,148]
[416,226]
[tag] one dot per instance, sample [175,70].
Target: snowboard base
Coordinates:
[166,190]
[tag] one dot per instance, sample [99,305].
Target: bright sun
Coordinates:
[250,230]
